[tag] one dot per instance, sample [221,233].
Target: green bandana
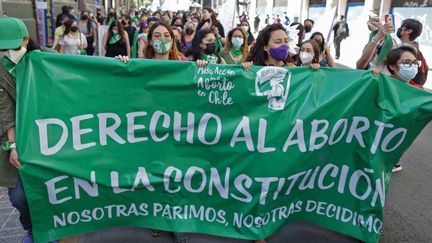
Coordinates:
[112,19]
[135,20]
[211,59]
[219,44]
[162,46]
[114,39]
[135,44]
[236,51]
[387,46]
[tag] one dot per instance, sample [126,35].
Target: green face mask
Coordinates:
[162,46]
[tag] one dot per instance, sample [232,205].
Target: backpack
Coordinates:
[342,30]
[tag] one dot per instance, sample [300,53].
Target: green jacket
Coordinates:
[8,173]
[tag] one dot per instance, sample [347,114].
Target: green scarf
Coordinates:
[236,52]
[387,46]
[135,43]
[211,59]
[110,20]
[135,20]
[114,38]
[219,44]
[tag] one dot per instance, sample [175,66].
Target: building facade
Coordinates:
[27,10]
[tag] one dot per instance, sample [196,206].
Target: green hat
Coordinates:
[12,32]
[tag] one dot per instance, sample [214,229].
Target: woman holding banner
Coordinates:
[161,44]
[403,65]
[204,48]
[15,42]
[236,47]
[270,49]
[309,55]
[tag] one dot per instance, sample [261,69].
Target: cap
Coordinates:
[12,32]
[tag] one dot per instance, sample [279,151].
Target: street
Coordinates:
[408,212]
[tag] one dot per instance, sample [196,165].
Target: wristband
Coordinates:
[8,146]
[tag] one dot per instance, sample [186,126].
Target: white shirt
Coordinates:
[72,44]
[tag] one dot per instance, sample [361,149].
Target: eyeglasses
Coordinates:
[409,63]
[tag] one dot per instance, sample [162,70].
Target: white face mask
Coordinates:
[237,42]
[306,58]
[16,55]
[407,73]
[245,28]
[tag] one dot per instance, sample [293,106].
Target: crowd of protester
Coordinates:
[188,36]
[200,37]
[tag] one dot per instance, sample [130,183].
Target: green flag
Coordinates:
[216,150]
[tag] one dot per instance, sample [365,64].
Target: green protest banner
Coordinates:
[216,150]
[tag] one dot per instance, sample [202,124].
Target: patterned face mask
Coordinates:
[162,46]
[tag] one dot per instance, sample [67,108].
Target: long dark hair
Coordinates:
[120,30]
[395,54]
[149,51]
[257,54]
[315,49]
[32,45]
[250,37]
[174,19]
[68,26]
[321,46]
[213,19]
[228,43]
[213,16]
[196,43]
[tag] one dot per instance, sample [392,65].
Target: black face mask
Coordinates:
[210,48]
[398,33]
[74,28]
[123,23]
[189,31]
[111,15]
[308,28]
[85,17]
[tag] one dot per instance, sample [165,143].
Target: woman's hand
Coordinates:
[206,25]
[383,31]
[124,59]
[376,72]
[315,66]
[201,63]
[215,31]
[247,65]
[13,158]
